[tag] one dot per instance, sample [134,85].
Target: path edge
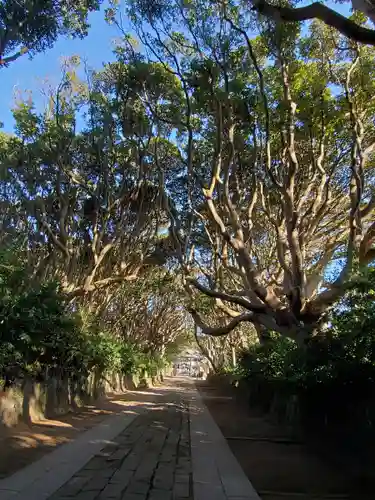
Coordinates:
[217,475]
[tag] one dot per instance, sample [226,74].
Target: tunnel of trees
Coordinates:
[215,180]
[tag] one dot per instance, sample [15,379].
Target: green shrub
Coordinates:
[36,330]
[40,335]
[330,381]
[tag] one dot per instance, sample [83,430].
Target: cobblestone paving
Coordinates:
[150,460]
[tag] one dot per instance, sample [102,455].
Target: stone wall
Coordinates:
[29,400]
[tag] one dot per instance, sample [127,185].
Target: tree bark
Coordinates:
[262,333]
[317,11]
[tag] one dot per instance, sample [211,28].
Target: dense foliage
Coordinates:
[30,26]
[328,385]
[43,336]
[270,130]
[219,171]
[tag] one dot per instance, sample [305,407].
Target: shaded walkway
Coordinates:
[149,459]
[280,465]
[165,446]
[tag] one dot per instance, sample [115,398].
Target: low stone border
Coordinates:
[216,473]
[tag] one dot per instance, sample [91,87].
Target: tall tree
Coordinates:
[88,202]
[89,208]
[276,135]
[31,26]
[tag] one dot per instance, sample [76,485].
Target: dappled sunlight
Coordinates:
[52,423]
[158,408]
[133,403]
[35,440]
[85,414]
[46,434]
[42,438]
[144,393]
[129,412]
[105,442]
[102,412]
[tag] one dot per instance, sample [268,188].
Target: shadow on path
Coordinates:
[278,467]
[149,459]
[25,444]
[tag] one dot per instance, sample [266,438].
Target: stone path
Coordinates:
[168,448]
[150,459]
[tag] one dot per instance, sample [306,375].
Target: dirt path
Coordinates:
[278,467]
[22,445]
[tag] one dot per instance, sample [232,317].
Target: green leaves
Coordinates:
[38,331]
[33,26]
[330,379]
[27,120]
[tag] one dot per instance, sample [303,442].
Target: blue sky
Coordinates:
[26,74]
[43,69]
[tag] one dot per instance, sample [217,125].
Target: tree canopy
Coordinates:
[275,140]
[351,28]
[219,171]
[30,26]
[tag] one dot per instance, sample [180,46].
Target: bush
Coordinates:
[41,336]
[36,330]
[327,386]
[39,333]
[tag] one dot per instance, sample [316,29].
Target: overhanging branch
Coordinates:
[220,331]
[317,11]
[229,298]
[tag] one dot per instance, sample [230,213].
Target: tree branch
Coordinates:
[229,298]
[4,61]
[317,11]
[219,331]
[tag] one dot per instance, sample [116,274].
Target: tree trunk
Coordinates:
[262,333]
[205,351]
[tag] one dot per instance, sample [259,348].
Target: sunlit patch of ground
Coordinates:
[33,440]
[145,393]
[23,444]
[52,423]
